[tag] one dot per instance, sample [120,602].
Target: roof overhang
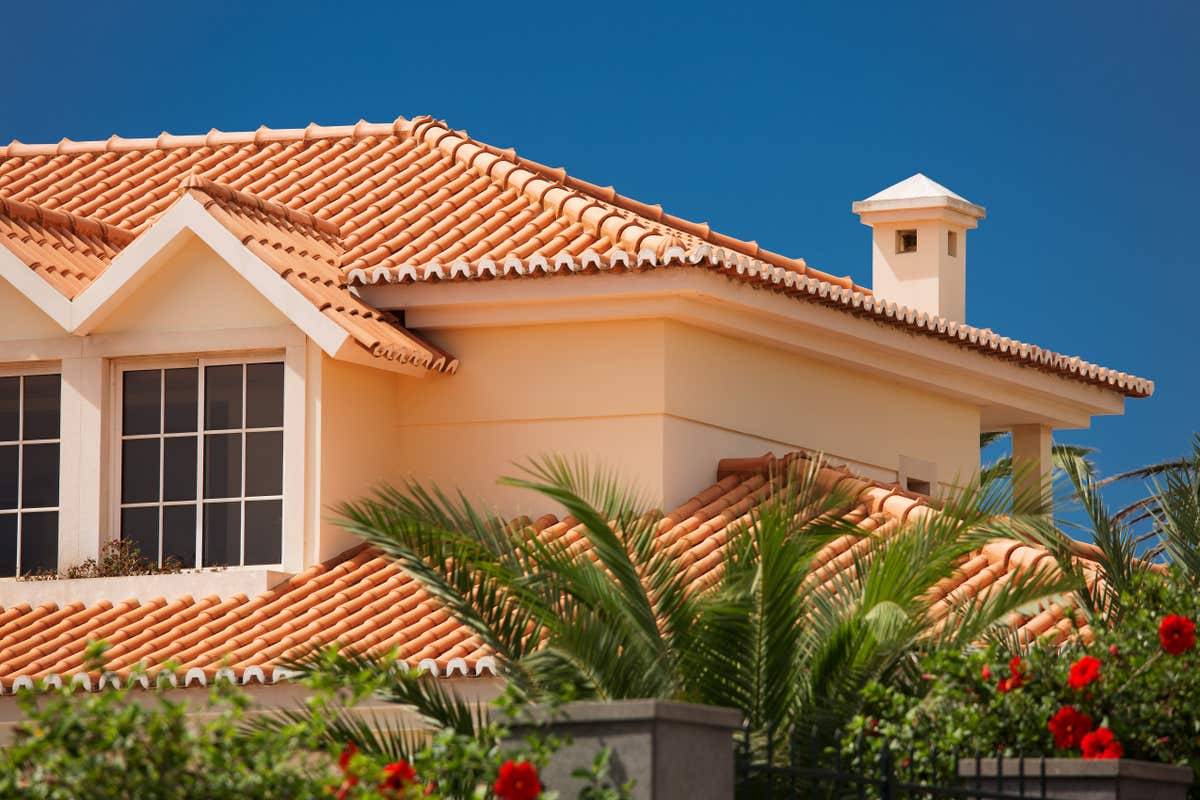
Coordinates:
[1007,393]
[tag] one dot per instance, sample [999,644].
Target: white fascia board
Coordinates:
[35,288]
[137,262]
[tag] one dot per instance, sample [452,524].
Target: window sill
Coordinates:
[223,583]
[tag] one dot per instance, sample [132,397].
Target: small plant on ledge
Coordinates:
[118,558]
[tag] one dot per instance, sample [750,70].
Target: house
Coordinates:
[207,341]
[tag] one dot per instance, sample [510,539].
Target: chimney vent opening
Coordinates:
[906,241]
[952,244]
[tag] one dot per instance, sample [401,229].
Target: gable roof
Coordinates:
[364,601]
[414,200]
[73,254]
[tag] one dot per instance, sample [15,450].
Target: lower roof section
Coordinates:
[363,601]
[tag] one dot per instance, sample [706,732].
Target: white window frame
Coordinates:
[116,436]
[22,371]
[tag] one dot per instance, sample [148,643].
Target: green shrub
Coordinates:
[1135,689]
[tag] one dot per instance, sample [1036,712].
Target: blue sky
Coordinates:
[1075,123]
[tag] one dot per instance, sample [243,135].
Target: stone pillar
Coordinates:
[672,751]
[1033,467]
[1077,779]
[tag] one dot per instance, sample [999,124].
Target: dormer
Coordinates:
[919,246]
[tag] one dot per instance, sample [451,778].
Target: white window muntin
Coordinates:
[199,501]
[22,372]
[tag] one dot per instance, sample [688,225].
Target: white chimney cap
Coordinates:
[915,193]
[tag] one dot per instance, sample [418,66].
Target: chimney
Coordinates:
[919,245]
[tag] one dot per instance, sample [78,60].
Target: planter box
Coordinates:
[671,751]
[1077,779]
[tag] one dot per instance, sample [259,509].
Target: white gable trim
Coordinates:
[139,261]
[35,288]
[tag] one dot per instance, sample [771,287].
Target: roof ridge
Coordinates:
[554,189]
[655,213]
[220,191]
[214,138]
[52,218]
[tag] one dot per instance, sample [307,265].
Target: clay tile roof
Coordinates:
[69,251]
[363,601]
[305,250]
[416,200]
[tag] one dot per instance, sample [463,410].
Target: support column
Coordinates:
[82,524]
[1033,467]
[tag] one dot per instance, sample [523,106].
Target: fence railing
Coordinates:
[791,767]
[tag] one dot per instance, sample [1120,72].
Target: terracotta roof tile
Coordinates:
[416,200]
[67,250]
[305,250]
[365,601]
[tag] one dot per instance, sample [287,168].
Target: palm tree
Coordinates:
[1160,532]
[615,613]
[1064,456]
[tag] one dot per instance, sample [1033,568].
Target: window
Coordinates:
[906,241]
[202,462]
[29,431]
[952,244]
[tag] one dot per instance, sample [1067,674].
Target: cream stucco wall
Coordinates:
[358,441]
[661,402]
[195,289]
[740,398]
[21,319]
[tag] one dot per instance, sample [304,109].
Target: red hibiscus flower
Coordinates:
[1084,671]
[1177,634]
[517,780]
[986,673]
[1019,676]
[1069,727]
[347,754]
[1101,743]
[398,775]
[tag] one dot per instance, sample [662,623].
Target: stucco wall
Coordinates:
[660,401]
[593,389]
[22,319]
[733,397]
[194,290]
[358,443]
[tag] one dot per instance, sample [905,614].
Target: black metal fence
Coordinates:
[771,767]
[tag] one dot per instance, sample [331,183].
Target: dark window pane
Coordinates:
[141,402]
[264,463]
[39,487]
[222,534]
[41,406]
[179,468]
[10,409]
[139,470]
[9,455]
[264,532]
[223,465]
[179,535]
[8,545]
[264,395]
[140,526]
[181,394]
[39,542]
[223,397]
